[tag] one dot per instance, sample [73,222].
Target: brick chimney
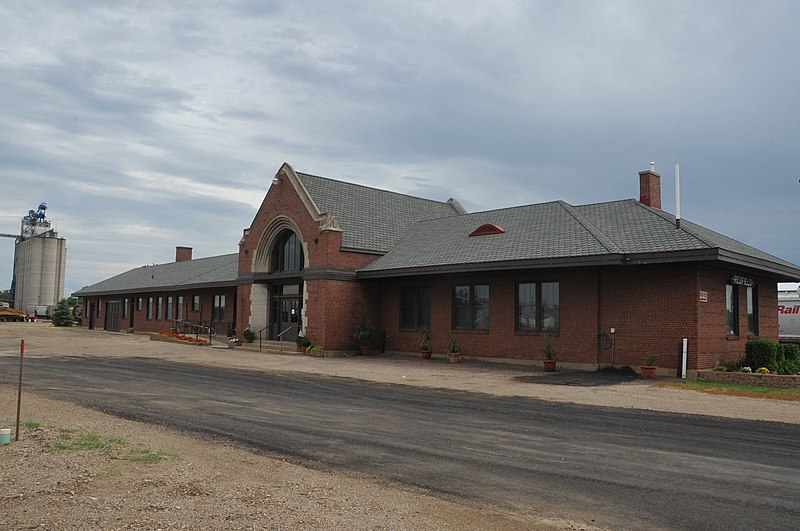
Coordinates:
[183,254]
[650,187]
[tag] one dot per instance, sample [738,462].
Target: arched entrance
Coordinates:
[286,263]
[286,311]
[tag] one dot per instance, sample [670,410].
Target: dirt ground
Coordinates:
[141,476]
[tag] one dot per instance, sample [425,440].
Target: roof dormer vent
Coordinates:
[487,229]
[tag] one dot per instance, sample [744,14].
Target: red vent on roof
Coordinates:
[487,229]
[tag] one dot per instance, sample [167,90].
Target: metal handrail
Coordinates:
[196,328]
[262,330]
[280,336]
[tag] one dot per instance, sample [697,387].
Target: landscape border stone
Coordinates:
[774,380]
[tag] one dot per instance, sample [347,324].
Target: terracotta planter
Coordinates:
[454,357]
[425,354]
[300,348]
[549,365]
[364,351]
[648,371]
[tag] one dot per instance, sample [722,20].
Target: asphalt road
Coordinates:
[619,468]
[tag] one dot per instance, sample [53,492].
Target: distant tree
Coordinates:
[62,314]
[5,296]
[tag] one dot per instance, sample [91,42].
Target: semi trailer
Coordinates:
[789,316]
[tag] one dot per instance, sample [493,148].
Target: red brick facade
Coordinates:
[651,309]
[331,305]
[132,312]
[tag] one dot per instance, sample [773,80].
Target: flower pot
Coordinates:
[454,358]
[364,351]
[425,354]
[648,371]
[549,365]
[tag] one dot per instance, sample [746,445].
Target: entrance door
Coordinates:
[113,315]
[287,304]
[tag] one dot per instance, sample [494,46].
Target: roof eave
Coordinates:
[155,289]
[543,263]
[782,272]
[779,271]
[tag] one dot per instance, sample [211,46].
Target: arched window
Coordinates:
[287,253]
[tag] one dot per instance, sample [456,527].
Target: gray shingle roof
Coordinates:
[556,233]
[639,229]
[202,272]
[372,220]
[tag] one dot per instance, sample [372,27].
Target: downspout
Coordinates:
[599,344]
[696,328]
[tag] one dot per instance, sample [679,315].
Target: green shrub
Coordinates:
[760,353]
[62,315]
[790,351]
[788,367]
[302,341]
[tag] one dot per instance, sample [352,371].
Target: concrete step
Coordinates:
[275,347]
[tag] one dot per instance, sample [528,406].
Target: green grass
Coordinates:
[31,425]
[71,440]
[86,441]
[735,389]
[143,454]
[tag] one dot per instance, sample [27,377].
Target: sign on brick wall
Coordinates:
[703,296]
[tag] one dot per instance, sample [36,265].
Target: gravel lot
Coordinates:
[204,483]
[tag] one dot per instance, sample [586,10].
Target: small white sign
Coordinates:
[703,296]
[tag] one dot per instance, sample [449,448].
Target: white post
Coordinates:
[684,353]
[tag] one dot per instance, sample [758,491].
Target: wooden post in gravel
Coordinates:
[19,386]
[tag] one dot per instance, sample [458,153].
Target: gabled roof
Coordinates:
[372,220]
[559,234]
[199,273]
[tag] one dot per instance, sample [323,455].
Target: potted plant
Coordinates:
[648,366]
[315,350]
[363,334]
[452,349]
[550,355]
[248,335]
[302,342]
[425,344]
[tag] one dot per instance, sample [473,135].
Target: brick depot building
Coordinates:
[606,282]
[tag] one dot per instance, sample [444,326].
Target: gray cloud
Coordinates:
[147,125]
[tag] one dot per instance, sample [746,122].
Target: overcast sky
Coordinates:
[149,124]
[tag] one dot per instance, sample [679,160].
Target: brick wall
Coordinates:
[714,342]
[576,340]
[651,308]
[332,309]
[142,324]
[324,299]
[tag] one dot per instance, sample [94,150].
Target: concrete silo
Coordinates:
[40,259]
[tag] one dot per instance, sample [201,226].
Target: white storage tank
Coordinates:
[40,259]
